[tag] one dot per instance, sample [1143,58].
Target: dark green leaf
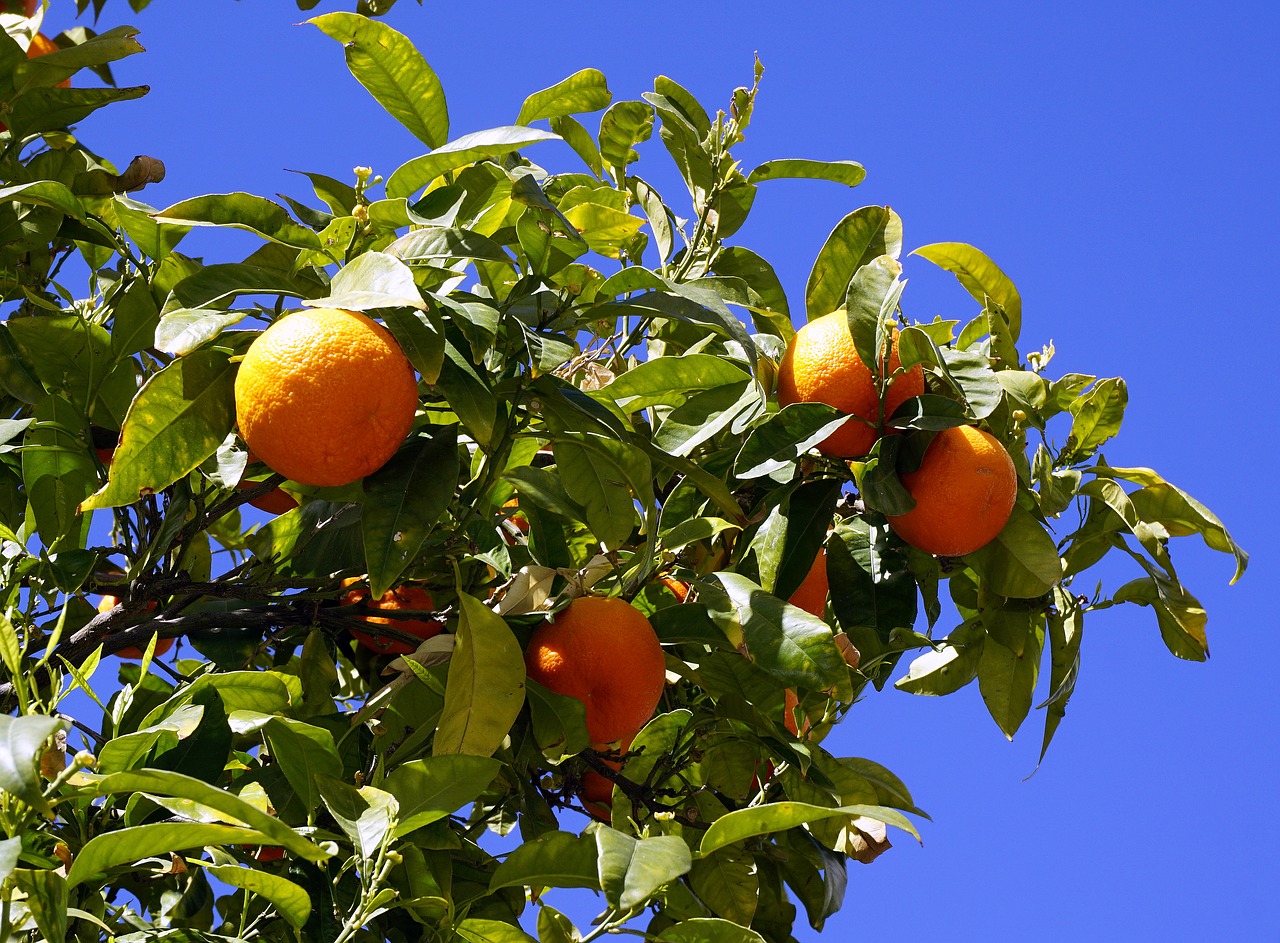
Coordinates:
[441,242]
[1022,561]
[303,752]
[127,845]
[780,816]
[241,211]
[632,871]
[559,721]
[787,435]
[58,472]
[1007,678]
[403,501]
[435,787]
[556,859]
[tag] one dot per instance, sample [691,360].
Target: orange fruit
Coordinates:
[273,502]
[325,396]
[790,701]
[679,588]
[133,652]
[604,652]
[964,489]
[811,595]
[42,45]
[822,365]
[401,597]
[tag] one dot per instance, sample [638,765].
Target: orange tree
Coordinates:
[585,351]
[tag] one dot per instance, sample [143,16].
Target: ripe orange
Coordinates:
[822,365]
[274,501]
[790,701]
[964,489]
[679,588]
[604,652]
[133,652]
[402,597]
[325,396]
[811,595]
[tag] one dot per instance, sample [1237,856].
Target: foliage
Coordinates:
[582,347]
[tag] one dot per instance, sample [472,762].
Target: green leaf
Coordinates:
[184,330]
[46,900]
[1180,514]
[972,377]
[632,871]
[727,882]
[872,296]
[256,214]
[125,752]
[559,721]
[178,419]
[581,92]
[22,740]
[73,358]
[788,434]
[421,337]
[863,235]
[948,668]
[442,242]
[372,280]
[979,276]
[1022,561]
[404,500]
[433,788]
[365,815]
[796,648]
[303,752]
[1007,678]
[50,69]
[45,193]
[10,849]
[482,930]
[387,64]
[624,125]
[848,172]
[291,901]
[485,690]
[780,816]
[58,472]
[580,139]
[598,472]
[412,176]
[52,109]
[668,381]
[738,262]
[127,845]
[1096,417]
[468,393]
[602,227]
[708,930]
[1065,632]
[555,859]
[1179,614]
[659,218]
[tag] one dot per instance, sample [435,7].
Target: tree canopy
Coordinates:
[597,413]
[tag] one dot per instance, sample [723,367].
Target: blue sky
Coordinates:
[1116,160]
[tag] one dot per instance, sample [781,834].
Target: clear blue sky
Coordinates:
[1117,160]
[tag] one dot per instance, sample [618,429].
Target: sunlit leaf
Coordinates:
[485,690]
[581,92]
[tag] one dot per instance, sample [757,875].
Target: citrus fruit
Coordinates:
[791,701]
[596,791]
[964,490]
[133,652]
[274,501]
[603,652]
[811,594]
[679,588]
[822,365]
[325,396]
[401,597]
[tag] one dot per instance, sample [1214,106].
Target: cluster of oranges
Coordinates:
[965,485]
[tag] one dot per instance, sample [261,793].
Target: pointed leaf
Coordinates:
[387,64]
[861,236]
[372,280]
[780,816]
[556,859]
[583,91]
[22,741]
[848,172]
[241,211]
[127,845]
[980,276]
[411,177]
[291,901]
[433,788]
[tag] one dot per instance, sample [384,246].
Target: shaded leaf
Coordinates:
[432,788]
[780,816]
[241,211]
[485,690]
[555,859]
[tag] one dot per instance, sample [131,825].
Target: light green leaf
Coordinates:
[580,139]
[708,930]
[668,381]
[948,668]
[365,815]
[435,787]
[980,276]
[848,172]
[1096,417]
[442,242]
[22,740]
[555,859]
[291,901]
[178,419]
[632,871]
[303,752]
[482,930]
[269,829]
[46,900]
[728,882]
[183,330]
[581,92]
[241,211]
[45,193]
[624,125]
[58,472]
[127,845]
[598,471]
[412,176]
[485,690]
[780,816]
[387,64]
[372,280]
[861,236]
